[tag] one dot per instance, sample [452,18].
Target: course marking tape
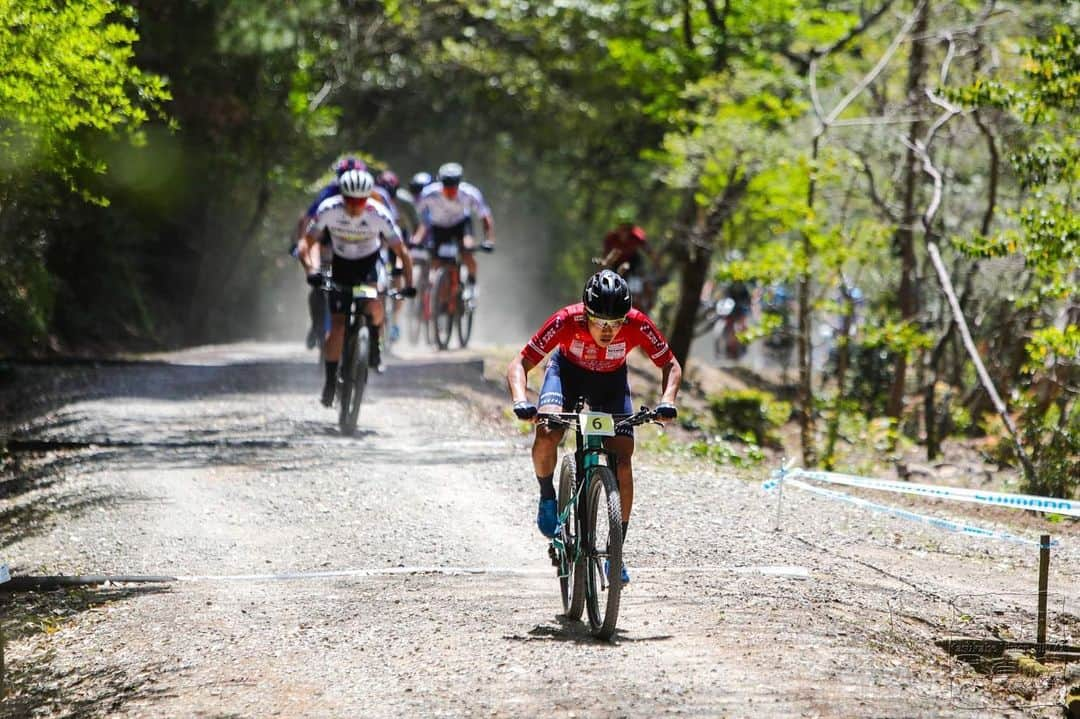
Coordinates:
[1029,502]
[782,571]
[946,524]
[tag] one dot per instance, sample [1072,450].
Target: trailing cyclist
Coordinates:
[447,208]
[627,251]
[589,343]
[357,228]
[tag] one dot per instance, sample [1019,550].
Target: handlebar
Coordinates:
[328,285]
[571,419]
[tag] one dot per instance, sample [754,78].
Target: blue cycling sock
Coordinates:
[547,486]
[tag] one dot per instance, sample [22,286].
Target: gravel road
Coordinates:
[398,573]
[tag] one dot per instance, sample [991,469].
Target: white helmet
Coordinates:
[450,173]
[356,183]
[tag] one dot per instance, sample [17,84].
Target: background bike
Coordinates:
[358,345]
[451,302]
[587,547]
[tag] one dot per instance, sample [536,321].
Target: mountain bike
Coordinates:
[451,303]
[588,540]
[356,354]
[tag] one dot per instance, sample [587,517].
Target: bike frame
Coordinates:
[588,453]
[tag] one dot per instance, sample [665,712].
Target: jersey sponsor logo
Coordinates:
[650,334]
[551,332]
[616,350]
[577,347]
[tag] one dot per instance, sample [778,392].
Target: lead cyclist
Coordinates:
[589,343]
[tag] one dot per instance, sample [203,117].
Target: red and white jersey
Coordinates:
[356,236]
[567,329]
[438,210]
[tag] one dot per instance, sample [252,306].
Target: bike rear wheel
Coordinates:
[602,535]
[571,572]
[442,309]
[354,373]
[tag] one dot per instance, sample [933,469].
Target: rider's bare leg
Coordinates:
[623,447]
[335,339]
[469,258]
[545,447]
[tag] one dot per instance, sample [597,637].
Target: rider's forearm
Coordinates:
[489,228]
[515,378]
[308,254]
[418,236]
[672,377]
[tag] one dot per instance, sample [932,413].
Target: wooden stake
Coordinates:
[1044,569]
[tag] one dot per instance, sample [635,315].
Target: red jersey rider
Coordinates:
[589,343]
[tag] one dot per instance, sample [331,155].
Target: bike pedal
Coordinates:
[553,555]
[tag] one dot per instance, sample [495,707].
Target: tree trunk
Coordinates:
[904,239]
[695,265]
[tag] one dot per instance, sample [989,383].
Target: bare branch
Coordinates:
[973,353]
[949,55]
[874,196]
[802,62]
[883,120]
[877,69]
[995,170]
[812,73]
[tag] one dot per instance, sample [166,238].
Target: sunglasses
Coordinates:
[606,324]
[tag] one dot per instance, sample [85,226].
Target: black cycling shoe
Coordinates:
[328,395]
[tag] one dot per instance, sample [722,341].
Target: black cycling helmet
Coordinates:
[418,182]
[450,174]
[607,295]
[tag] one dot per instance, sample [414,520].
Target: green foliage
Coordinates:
[68,69]
[751,414]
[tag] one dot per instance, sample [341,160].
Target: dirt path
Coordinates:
[398,573]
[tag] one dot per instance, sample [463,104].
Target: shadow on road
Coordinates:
[37,688]
[569,630]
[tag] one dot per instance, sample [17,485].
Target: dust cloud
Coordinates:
[515,287]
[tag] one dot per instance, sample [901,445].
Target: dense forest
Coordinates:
[912,162]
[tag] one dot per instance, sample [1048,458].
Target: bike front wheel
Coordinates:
[603,539]
[571,568]
[354,373]
[466,307]
[442,309]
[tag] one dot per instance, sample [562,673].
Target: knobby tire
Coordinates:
[354,373]
[603,507]
[571,586]
[465,317]
[442,319]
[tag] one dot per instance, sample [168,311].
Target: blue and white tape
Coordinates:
[946,524]
[1029,502]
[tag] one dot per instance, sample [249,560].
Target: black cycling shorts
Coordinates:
[453,234]
[352,272]
[565,382]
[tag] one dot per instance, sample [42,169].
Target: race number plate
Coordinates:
[596,424]
[365,292]
[447,251]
